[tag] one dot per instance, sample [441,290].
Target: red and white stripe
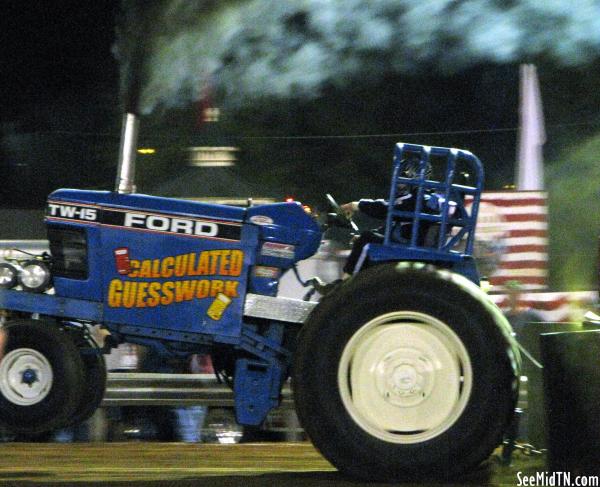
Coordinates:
[552,307]
[519,218]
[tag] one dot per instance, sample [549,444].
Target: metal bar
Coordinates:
[398,157]
[277,308]
[31,246]
[127,152]
[450,166]
[49,304]
[149,389]
[424,160]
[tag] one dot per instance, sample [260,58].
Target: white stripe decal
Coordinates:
[528,225]
[524,210]
[511,241]
[523,256]
[511,195]
[520,272]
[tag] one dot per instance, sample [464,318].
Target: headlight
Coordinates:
[7,254]
[8,275]
[34,276]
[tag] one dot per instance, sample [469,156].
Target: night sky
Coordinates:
[52,47]
[61,107]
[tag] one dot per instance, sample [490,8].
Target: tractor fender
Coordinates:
[512,346]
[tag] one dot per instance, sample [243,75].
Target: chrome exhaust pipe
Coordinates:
[126,171]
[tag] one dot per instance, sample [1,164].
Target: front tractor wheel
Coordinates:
[41,376]
[405,372]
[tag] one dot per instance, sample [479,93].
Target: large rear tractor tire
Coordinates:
[41,378]
[406,372]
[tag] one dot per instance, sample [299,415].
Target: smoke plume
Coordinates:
[268,48]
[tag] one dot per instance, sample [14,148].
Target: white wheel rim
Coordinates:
[7,276]
[25,376]
[405,377]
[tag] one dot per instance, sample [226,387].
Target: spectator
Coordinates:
[181,423]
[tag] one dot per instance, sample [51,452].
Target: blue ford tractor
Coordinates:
[404,370]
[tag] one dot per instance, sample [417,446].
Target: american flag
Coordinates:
[552,307]
[512,239]
[512,245]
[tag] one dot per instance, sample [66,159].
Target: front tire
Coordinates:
[41,376]
[405,372]
[94,367]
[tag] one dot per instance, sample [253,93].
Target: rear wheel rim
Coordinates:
[25,377]
[405,377]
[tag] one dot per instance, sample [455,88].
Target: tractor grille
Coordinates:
[68,247]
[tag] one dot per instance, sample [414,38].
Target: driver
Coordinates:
[405,201]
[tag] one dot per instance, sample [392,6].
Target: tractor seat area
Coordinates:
[440,220]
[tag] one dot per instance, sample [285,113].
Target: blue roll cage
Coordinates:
[453,249]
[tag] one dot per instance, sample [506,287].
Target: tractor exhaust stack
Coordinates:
[126,171]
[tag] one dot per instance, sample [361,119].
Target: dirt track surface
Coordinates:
[178,464]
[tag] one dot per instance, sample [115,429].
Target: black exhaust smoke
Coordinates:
[134,35]
[252,49]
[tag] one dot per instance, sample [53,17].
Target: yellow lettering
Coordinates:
[181,265]
[114,293]
[202,288]
[184,290]
[216,287]
[145,269]
[236,263]
[202,269]
[223,270]
[129,293]
[134,265]
[166,267]
[156,268]
[153,292]
[214,260]
[167,293]
[133,294]
[231,289]
[140,295]
[191,263]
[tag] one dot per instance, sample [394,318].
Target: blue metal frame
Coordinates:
[446,250]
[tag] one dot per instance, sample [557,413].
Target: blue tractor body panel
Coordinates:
[286,236]
[163,266]
[176,282]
